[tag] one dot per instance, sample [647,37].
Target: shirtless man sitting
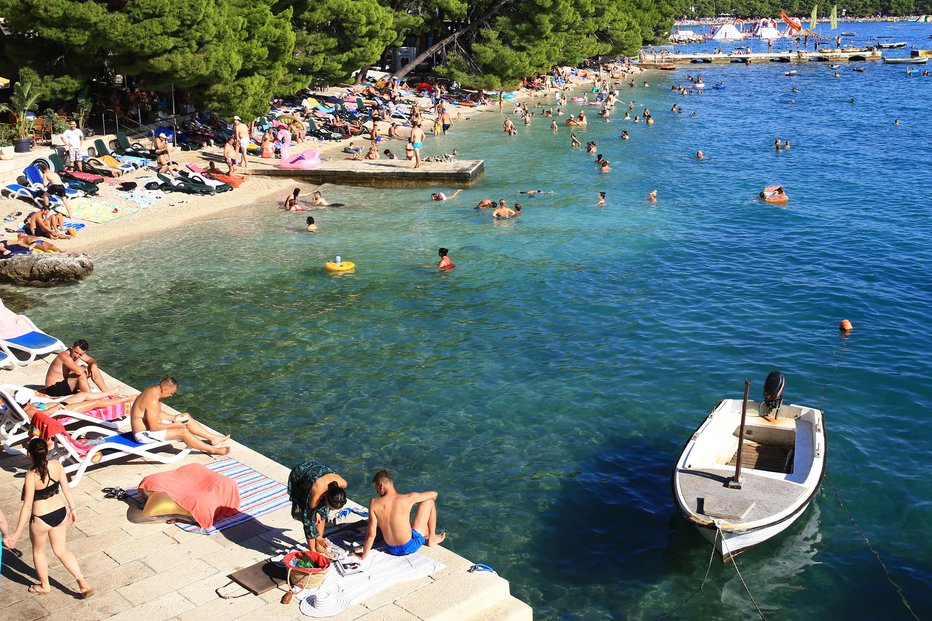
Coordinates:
[152,424]
[67,376]
[391,512]
[45,223]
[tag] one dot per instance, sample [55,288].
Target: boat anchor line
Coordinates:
[835,354]
[876,554]
[718,533]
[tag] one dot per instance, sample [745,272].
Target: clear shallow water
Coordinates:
[546,386]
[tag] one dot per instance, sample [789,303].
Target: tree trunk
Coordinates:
[450,38]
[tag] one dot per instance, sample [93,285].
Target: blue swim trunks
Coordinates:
[417,540]
[416,145]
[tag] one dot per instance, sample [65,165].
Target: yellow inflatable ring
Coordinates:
[160,503]
[343,266]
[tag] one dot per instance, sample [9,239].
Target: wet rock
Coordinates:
[42,269]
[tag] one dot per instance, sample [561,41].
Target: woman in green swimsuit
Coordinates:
[314,490]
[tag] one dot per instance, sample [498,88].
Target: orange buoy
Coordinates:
[845,326]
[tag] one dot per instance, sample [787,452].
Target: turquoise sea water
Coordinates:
[546,386]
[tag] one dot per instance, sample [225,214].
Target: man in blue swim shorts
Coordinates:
[391,513]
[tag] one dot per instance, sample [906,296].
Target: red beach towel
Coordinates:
[207,495]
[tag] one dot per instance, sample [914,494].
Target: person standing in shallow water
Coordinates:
[445,263]
[314,489]
[417,141]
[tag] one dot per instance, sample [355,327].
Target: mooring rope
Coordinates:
[704,578]
[734,562]
[867,542]
[841,504]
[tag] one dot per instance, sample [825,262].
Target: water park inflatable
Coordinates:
[306,161]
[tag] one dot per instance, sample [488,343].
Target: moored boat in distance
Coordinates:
[891,46]
[750,469]
[912,60]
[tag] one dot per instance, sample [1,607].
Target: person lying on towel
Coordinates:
[391,512]
[150,423]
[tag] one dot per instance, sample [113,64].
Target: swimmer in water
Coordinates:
[517,210]
[445,263]
[601,198]
[652,197]
[896,121]
[485,203]
[440,196]
[311,227]
[534,192]
[624,135]
[291,202]
[700,155]
[553,126]
[786,145]
[503,212]
[604,166]
[574,142]
[318,200]
[777,145]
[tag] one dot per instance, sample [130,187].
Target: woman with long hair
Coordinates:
[47,499]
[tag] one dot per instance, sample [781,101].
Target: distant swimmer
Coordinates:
[534,192]
[700,155]
[440,196]
[517,210]
[604,166]
[445,263]
[574,142]
[311,227]
[896,121]
[591,147]
[485,203]
[652,197]
[777,144]
[836,75]
[553,126]
[601,198]
[786,145]
[624,135]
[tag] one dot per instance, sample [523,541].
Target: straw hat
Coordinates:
[325,604]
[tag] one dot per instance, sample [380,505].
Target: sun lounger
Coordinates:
[77,452]
[16,426]
[133,160]
[6,361]
[181,184]
[196,177]
[19,334]
[97,165]
[15,190]
[37,182]
[135,148]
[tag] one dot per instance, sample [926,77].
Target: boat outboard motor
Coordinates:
[773,394]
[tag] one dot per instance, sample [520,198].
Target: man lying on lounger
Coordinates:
[391,512]
[152,424]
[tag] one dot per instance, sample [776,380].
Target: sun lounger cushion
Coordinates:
[209,496]
[32,340]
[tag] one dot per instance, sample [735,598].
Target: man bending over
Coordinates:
[151,424]
[391,512]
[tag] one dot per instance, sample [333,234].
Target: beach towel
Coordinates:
[380,571]
[207,495]
[105,413]
[97,210]
[258,494]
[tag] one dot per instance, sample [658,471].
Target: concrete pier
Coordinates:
[379,173]
[152,570]
[664,61]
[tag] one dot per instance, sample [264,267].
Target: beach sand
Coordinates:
[178,209]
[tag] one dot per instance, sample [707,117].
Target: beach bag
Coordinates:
[153,185]
[306,577]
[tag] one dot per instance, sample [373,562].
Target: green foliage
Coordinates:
[25,99]
[337,37]
[7,132]
[800,8]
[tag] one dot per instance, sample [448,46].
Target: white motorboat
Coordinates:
[891,46]
[912,60]
[741,489]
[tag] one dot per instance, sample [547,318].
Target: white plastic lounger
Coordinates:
[16,426]
[21,340]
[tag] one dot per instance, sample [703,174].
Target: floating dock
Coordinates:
[381,173]
[671,61]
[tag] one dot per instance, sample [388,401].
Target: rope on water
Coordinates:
[867,542]
[704,578]
[734,562]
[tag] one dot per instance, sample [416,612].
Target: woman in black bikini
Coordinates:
[45,495]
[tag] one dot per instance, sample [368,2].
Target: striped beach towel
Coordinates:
[258,495]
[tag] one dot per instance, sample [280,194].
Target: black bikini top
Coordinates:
[46,492]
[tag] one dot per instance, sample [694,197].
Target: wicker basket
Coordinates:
[306,578]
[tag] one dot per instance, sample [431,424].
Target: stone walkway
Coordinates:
[151,570]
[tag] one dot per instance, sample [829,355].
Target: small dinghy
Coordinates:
[913,60]
[891,46]
[790,72]
[750,469]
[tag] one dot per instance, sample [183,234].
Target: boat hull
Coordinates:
[783,463]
